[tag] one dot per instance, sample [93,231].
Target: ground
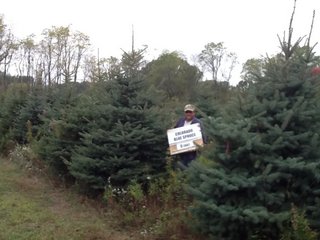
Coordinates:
[31,207]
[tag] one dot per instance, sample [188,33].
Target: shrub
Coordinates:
[299,227]
[160,210]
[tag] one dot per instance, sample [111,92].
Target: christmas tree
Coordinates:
[28,122]
[266,160]
[127,140]
[65,114]
[11,103]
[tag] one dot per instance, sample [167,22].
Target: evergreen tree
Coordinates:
[10,105]
[64,117]
[28,122]
[267,159]
[127,140]
[212,99]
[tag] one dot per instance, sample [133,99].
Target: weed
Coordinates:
[299,227]
[160,212]
[24,157]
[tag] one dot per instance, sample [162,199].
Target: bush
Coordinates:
[25,158]
[299,228]
[160,211]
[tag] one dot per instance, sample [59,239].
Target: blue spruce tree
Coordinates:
[266,160]
[127,140]
[65,114]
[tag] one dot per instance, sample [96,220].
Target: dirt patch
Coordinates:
[29,183]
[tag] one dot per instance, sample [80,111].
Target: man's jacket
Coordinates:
[181,121]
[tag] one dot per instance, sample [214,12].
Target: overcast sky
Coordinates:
[247,27]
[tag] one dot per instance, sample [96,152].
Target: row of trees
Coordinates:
[263,152]
[91,133]
[63,55]
[56,58]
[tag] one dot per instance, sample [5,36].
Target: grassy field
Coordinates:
[32,208]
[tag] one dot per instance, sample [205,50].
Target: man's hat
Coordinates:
[189,107]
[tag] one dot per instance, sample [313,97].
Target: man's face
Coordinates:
[189,115]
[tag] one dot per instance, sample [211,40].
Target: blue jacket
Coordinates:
[187,157]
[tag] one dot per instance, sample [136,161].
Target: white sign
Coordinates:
[184,145]
[183,139]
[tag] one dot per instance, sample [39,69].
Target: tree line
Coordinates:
[63,55]
[262,159]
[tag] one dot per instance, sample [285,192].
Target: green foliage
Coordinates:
[28,122]
[132,62]
[173,75]
[10,105]
[265,159]
[212,98]
[252,69]
[159,212]
[299,227]
[127,138]
[136,191]
[126,141]
[63,119]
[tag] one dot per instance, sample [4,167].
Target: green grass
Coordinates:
[31,208]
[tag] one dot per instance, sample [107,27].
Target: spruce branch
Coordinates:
[311,28]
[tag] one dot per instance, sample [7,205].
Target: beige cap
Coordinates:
[189,107]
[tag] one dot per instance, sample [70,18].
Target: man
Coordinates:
[189,118]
